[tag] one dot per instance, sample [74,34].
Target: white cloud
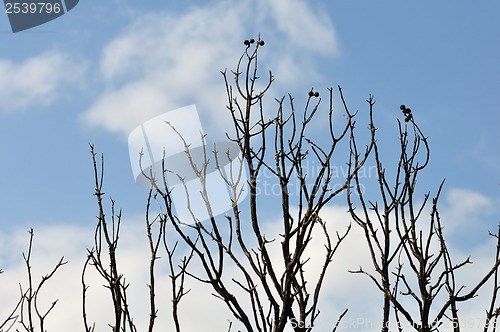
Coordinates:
[39,80]
[341,289]
[360,295]
[466,213]
[165,61]
[304,27]
[52,242]
[465,203]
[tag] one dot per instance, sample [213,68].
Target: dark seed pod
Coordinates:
[402,107]
[407,111]
[261,43]
[316,94]
[311,93]
[246,42]
[407,119]
[252,41]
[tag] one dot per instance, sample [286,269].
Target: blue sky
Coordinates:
[97,72]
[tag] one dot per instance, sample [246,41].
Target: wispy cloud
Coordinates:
[469,215]
[37,81]
[304,27]
[164,61]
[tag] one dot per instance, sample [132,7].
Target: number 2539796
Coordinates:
[32,8]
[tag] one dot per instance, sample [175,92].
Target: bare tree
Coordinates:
[177,273]
[108,269]
[27,311]
[397,236]
[493,311]
[107,236]
[275,297]
[265,280]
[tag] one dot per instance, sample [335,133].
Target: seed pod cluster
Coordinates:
[313,94]
[406,112]
[251,41]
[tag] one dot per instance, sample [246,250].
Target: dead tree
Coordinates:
[27,312]
[103,257]
[275,296]
[108,234]
[493,311]
[409,253]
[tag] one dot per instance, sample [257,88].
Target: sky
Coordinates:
[104,68]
